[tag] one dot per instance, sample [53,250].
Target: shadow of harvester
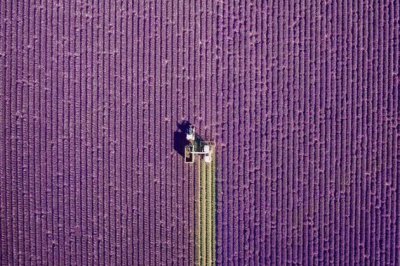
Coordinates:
[180,140]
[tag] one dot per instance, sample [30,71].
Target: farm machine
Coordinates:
[197,147]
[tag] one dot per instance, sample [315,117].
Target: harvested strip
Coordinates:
[206,214]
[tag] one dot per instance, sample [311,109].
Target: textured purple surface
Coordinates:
[302,99]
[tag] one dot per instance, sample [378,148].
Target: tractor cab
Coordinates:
[191,134]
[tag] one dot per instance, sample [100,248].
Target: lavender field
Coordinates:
[301,97]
